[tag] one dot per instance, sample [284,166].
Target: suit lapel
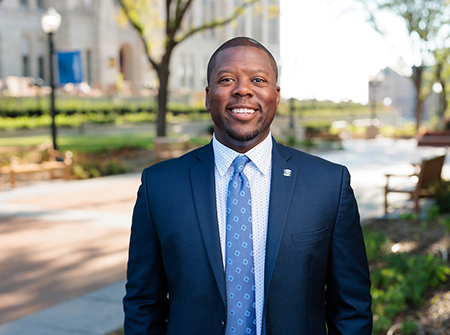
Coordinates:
[203,190]
[284,176]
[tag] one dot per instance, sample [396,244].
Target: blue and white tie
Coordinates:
[239,268]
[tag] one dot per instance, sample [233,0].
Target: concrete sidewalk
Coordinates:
[63,245]
[60,240]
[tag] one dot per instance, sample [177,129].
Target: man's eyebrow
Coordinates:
[224,71]
[230,70]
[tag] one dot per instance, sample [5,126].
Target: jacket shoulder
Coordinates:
[301,159]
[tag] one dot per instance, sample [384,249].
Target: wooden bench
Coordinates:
[427,173]
[34,159]
[170,147]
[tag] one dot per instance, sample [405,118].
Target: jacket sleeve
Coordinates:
[146,304]
[348,300]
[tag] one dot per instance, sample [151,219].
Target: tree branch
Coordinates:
[372,20]
[211,25]
[179,17]
[177,11]
[168,17]
[141,32]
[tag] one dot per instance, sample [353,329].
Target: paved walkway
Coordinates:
[60,240]
[369,161]
[63,244]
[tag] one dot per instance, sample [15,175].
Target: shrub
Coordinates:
[99,163]
[399,280]
[441,193]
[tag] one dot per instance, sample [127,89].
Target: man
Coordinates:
[245,235]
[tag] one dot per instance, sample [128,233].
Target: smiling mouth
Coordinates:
[243,111]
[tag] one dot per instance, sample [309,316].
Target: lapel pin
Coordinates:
[287,173]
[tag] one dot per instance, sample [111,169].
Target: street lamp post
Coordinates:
[51,22]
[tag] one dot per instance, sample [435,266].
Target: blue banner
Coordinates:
[70,67]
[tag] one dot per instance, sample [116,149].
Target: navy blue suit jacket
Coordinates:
[316,275]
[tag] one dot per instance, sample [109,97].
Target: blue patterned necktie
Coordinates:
[239,268]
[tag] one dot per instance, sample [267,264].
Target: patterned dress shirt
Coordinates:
[258,172]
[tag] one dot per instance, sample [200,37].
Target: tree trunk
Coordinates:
[419,108]
[442,98]
[163,75]
[417,79]
[444,102]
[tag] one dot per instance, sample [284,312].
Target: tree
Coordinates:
[144,17]
[441,74]
[427,23]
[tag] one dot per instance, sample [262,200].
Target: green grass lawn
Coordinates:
[93,143]
[85,143]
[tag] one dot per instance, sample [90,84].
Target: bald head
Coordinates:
[240,42]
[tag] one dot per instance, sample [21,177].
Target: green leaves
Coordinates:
[399,280]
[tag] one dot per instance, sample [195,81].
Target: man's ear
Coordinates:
[278,96]
[207,97]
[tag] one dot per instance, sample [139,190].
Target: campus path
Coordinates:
[63,244]
[60,240]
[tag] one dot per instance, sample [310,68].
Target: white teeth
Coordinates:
[243,111]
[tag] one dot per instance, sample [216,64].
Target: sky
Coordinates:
[329,50]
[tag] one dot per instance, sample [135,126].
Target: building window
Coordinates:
[241,25]
[40,4]
[24,3]
[25,66]
[189,18]
[41,68]
[257,26]
[181,71]
[40,52]
[204,15]
[25,50]
[274,31]
[88,67]
[240,21]
[213,16]
[203,70]
[190,72]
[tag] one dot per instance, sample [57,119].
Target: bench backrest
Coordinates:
[430,171]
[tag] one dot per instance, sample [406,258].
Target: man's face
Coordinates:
[243,97]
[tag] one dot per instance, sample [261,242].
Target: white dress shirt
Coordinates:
[258,172]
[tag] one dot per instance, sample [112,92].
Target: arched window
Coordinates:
[126,62]
[41,59]
[25,49]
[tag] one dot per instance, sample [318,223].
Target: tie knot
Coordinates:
[239,163]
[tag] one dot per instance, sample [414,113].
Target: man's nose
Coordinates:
[243,88]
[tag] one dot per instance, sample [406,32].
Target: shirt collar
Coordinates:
[260,155]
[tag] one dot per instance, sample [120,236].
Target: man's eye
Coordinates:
[258,80]
[226,80]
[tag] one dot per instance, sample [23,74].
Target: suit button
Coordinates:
[223,323]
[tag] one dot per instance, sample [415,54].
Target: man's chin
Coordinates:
[243,136]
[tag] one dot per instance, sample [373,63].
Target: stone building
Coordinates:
[110,49]
[391,88]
